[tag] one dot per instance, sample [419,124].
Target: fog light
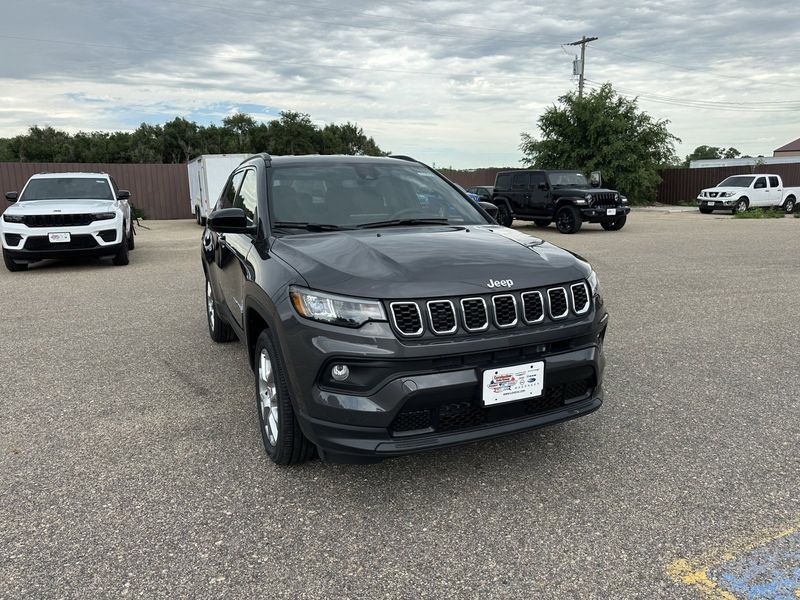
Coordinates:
[340,372]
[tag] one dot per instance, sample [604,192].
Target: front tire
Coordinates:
[504,216]
[788,206]
[197,215]
[568,219]
[283,439]
[218,329]
[121,258]
[741,205]
[542,222]
[131,242]
[614,224]
[13,265]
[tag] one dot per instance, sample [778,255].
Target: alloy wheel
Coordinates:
[268,397]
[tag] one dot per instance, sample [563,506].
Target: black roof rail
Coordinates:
[262,155]
[403,157]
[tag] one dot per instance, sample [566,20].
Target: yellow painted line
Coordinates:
[695,573]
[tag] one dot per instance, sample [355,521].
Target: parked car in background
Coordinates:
[563,196]
[63,215]
[377,324]
[740,192]
[207,175]
[484,192]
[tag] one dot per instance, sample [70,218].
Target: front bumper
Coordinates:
[100,238]
[598,214]
[423,396]
[716,203]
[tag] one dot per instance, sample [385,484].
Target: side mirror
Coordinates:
[228,220]
[11,196]
[543,186]
[595,179]
[123,195]
[489,208]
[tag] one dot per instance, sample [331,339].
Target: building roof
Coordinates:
[790,147]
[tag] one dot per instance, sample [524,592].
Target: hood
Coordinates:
[47,207]
[573,190]
[426,261]
[726,188]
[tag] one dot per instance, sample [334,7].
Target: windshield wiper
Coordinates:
[402,222]
[308,226]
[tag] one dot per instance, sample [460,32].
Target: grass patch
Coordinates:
[797,215]
[760,213]
[137,213]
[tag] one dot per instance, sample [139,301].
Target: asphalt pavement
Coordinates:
[131,462]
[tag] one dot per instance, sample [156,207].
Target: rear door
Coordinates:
[775,190]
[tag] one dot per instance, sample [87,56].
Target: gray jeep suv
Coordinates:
[385,312]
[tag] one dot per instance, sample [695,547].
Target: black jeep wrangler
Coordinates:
[565,197]
[385,312]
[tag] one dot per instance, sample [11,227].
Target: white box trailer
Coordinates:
[207,176]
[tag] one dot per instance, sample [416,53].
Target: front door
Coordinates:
[234,271]
[761,192]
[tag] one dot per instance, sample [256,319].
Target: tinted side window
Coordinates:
[761,182]
[247,198]
[536,179]
[520,181]
[229,193]
[503,182]
[773,182]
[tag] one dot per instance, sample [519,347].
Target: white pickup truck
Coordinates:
[737,193]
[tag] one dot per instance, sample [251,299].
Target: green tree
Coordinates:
[241,125]
[710,153]
[293,133]
[606,132]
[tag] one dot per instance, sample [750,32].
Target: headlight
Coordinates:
[616,197]
[13,218]
[588,197]
[338,310]
[594,283]
[104,216]
[727,194]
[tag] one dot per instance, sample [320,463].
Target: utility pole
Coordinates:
[582,43]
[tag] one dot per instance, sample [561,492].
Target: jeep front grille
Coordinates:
[604,200]
[406,318]
[474,314]
[532,307]
[476,318]
[442,315]
[505,310]
[558,303]
[58,220]
[580,297]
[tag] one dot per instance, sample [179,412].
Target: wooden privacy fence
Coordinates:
[680,185]
[161,191]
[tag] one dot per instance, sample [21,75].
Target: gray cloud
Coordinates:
[451,82]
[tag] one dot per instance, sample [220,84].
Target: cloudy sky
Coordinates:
[449,82]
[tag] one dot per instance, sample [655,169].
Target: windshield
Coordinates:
[570,179]
[67,188]
[361,194]
[737,181]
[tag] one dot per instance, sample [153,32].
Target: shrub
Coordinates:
[760,213]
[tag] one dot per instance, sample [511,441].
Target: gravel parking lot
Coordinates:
[131,461]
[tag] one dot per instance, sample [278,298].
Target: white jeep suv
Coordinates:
[62,215]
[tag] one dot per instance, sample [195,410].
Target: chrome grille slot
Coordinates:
[406,318]
[476,317]
[442,316]
[532,307]
[557,298]
[505,310]
[580,298]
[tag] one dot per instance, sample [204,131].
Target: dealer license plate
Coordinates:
[513,383]
[611,211]
[57,238]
